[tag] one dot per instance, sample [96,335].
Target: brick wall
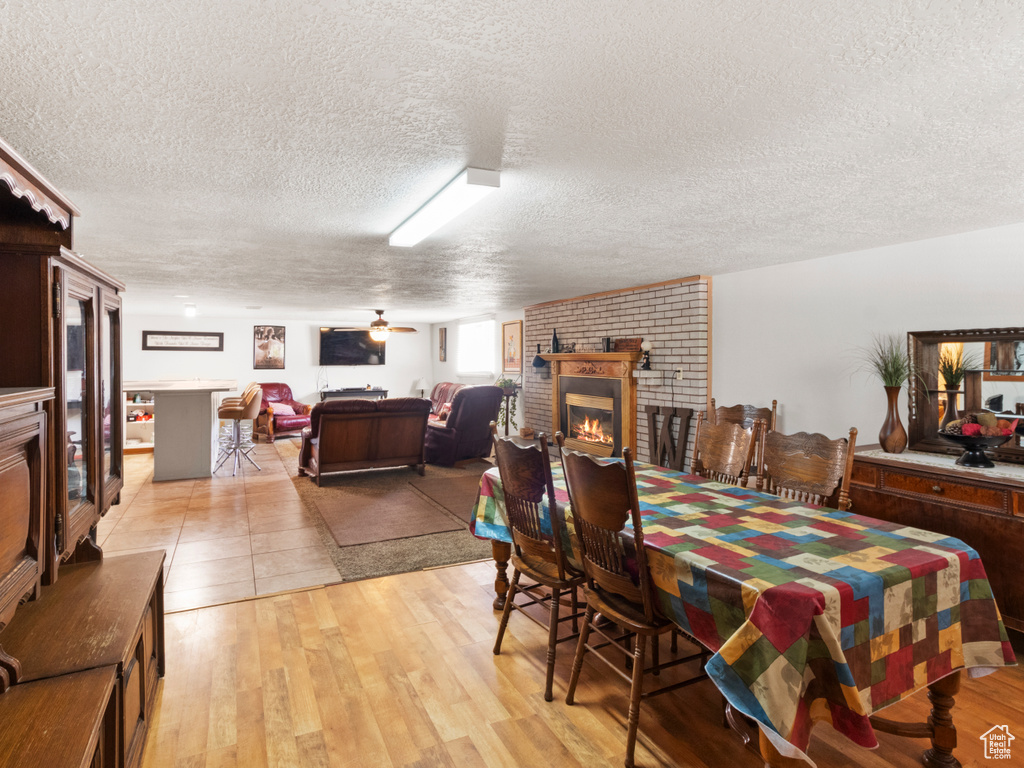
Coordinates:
[673,317]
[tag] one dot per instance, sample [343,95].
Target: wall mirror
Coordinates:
[994,381]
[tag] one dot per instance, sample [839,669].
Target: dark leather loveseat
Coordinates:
[273,420]
[364,434]
[466,434]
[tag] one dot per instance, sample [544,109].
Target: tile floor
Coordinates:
[226,538]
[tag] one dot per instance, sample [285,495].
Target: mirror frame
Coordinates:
[923,403]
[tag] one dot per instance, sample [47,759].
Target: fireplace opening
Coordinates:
[590,424]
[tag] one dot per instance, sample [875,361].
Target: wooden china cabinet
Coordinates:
[80,655]
[65,321]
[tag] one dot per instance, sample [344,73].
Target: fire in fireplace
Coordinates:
[590,424]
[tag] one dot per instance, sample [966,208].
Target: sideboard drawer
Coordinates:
[946,491]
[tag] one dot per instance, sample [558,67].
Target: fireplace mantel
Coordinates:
[603,365]
[623,356]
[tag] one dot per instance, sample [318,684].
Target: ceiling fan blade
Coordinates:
[389,329]
[380,324]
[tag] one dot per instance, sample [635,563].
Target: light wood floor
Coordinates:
[225,538]
[398,671]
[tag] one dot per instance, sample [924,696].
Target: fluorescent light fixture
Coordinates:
[463,192]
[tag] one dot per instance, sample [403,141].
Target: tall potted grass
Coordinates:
[887,359]
[953,367]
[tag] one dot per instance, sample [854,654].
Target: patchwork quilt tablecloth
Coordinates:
[814,614]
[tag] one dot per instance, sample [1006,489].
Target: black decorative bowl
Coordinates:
[974,448]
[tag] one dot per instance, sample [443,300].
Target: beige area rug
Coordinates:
[383,558]
[456,494]
[362,517]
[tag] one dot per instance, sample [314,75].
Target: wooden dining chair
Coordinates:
[744,415]
[538,549]
[726,452]
[618,587]
[666,451]
[807,467]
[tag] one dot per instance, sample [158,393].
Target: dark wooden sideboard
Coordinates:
[62,722]
[100,614]
[983,508]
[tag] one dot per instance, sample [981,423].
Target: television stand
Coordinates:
[353,392]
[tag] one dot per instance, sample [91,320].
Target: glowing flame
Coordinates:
[591,431]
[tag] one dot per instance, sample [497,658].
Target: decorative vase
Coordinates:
[951,413]
[893,437]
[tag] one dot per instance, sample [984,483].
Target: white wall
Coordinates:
[791,332]
[408,357]
[447,371]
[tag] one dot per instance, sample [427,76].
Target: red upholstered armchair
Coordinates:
[467,433]
[274,420]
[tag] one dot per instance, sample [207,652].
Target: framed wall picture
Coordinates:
[512,347]
[268,347]
[1005,360]
[442,345]
[183,341]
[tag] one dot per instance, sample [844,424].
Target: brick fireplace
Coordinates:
[674,315]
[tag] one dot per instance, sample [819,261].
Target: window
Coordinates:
[477,349]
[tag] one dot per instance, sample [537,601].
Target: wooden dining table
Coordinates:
[813,614]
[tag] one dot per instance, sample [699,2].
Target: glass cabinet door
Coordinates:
[76,447]
[77,317]
[111,401]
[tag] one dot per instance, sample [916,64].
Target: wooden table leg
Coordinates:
[941,694]
[771,755]
[501,551]
[939,729]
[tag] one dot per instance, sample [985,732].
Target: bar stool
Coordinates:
[238,412]
[241,398]
[226,438]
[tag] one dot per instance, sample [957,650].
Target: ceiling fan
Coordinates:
[379,328]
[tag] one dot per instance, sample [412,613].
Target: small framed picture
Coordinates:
[442,346]
[268,347]
[512,347]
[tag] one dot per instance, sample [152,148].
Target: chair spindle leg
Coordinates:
[556,595]
[506,611]
[634,698]
[581,649]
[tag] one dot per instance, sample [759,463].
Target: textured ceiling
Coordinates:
[260,153]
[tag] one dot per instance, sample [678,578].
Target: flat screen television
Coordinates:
[340,347]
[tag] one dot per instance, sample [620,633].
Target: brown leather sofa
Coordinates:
[466,434]
[271,423]
[364,434]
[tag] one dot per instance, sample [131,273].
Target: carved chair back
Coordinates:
[665,451]
[725,452]
[603,499]
[525,479]
[744,415]
[808,467]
